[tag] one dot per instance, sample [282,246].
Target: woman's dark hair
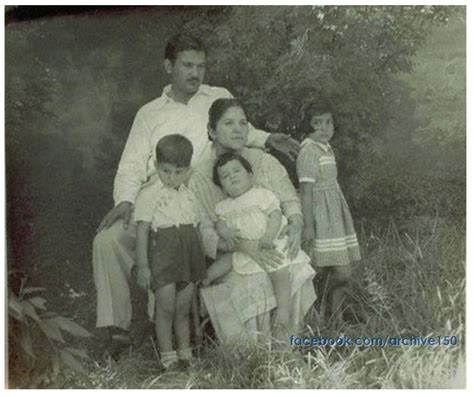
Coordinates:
[183,42]
[174,149]
[223,160]
[218,108]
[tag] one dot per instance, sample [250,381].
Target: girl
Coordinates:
[170,257]
[253,214]
[328,233]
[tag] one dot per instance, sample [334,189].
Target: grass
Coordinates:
[411,282]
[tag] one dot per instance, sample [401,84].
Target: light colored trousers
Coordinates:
[113,256]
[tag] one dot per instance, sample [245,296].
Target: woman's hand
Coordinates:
[268,259]
[283,143]
[293,231]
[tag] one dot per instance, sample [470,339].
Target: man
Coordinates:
[183,109]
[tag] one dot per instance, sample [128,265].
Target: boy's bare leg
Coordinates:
[281,286]
[164,315]
[182,323]
[219,268]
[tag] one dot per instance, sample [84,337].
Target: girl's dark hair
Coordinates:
[218,108]
[174,149]
[314,109]
[183,42]
[223,160]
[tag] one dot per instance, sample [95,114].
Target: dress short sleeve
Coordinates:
[307,164]
[267,200]
[146,202]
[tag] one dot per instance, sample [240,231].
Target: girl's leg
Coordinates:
[281,286]
[340,276]
[164,314]
[181,322]
[219,268]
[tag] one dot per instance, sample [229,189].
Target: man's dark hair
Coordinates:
[183,42]
[218,108]
[174,149]
[223,160]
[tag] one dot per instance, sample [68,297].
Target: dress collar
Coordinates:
[308,141]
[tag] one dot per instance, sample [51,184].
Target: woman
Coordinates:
[240,306]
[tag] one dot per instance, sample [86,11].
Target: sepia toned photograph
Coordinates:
[235,197]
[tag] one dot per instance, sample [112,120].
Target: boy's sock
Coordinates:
[185,354]
[168,358]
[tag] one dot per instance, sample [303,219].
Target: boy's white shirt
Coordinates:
[165,207]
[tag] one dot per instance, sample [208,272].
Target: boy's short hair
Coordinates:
[223,160]
[183,42]
[174,149]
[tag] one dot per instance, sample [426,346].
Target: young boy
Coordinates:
[169,252]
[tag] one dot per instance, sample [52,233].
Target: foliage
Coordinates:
[438,84]
[395,76]
[36,340]
[410,282]
[423,182]
[284,57]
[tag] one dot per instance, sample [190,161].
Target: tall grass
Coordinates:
[411,282]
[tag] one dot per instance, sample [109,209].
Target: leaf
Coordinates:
[15,306]
[29,290]
[16,316]
[77,352]
[72,362]
[51,330]
[30,311]
[38,302]
[25,343]
[70,326]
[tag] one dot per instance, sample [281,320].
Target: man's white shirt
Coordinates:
[161,117]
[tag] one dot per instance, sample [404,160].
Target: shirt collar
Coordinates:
[203,89]
[181,189]
[308,141]
[164,188]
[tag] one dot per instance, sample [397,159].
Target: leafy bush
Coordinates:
[422,181]
[279,58]
[37,346]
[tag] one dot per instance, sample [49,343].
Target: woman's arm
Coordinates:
[144,273]
[275,177]
[307,207]
[273,227]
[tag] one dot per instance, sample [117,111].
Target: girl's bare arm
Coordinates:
[307,209]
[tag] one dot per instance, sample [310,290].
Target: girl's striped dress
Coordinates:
[335,241]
